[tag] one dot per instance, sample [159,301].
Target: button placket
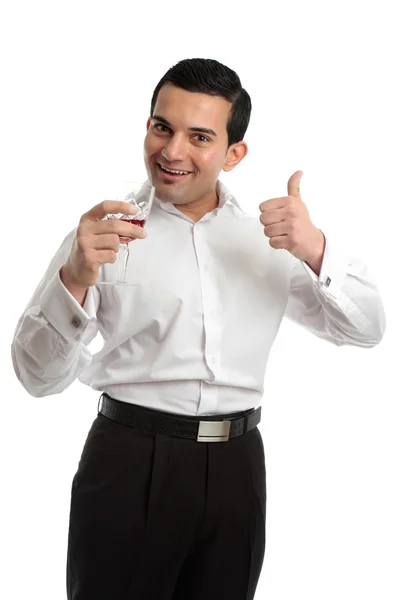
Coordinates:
[208,399]
[211,324]
[212,327]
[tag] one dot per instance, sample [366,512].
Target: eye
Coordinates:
[201,138]
[161,128]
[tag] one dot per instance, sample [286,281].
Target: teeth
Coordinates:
[174,172]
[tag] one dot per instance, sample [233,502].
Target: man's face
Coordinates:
[187,133]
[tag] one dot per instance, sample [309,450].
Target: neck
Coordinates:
[196,210]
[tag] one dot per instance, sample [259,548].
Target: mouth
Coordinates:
[172,174]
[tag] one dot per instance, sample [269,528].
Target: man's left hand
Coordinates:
[287,223]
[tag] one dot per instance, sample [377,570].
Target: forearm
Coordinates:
[342,304]
[49,349]
[44,362]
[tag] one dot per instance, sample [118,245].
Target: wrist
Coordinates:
[317,257]
[77,290]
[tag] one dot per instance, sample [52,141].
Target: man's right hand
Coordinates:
[96,242]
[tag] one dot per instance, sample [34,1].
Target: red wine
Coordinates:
[140,222]
[134,221]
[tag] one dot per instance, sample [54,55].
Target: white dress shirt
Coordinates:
[192,332]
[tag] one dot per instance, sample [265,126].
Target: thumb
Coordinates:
[293,185]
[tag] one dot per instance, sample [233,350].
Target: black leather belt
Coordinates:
[217,428]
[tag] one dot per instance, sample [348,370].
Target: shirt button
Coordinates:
[76,322]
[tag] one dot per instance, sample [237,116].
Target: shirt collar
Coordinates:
[224,195]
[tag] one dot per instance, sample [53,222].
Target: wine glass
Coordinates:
[141,196]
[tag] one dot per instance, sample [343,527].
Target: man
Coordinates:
[169,500]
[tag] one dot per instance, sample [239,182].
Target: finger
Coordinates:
[293,185]
[280,242]
[269,217]
[279,229]
[119,227]
[109,207]
[106,241]
[273,203]
[106,256]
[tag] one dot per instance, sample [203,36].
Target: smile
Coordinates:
[173,171]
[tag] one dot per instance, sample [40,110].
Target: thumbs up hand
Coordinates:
[287,223]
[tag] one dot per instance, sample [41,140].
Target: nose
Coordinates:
[175,149]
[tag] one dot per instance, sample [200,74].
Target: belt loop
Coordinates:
[98,404]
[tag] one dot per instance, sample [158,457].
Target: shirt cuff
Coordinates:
[333,272]
[63,312]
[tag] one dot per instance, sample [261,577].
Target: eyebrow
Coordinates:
[197,129]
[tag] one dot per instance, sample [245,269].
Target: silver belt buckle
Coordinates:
[213,431]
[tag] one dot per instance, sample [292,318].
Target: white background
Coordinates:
[77,79]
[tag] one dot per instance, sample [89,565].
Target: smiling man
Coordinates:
[169,499]
[187,146]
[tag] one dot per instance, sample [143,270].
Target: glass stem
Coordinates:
[123,262]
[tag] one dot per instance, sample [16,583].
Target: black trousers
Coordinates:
[155,517]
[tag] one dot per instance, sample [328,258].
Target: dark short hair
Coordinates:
[208,76]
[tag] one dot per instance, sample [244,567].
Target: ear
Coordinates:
[148,123]
[236,152]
